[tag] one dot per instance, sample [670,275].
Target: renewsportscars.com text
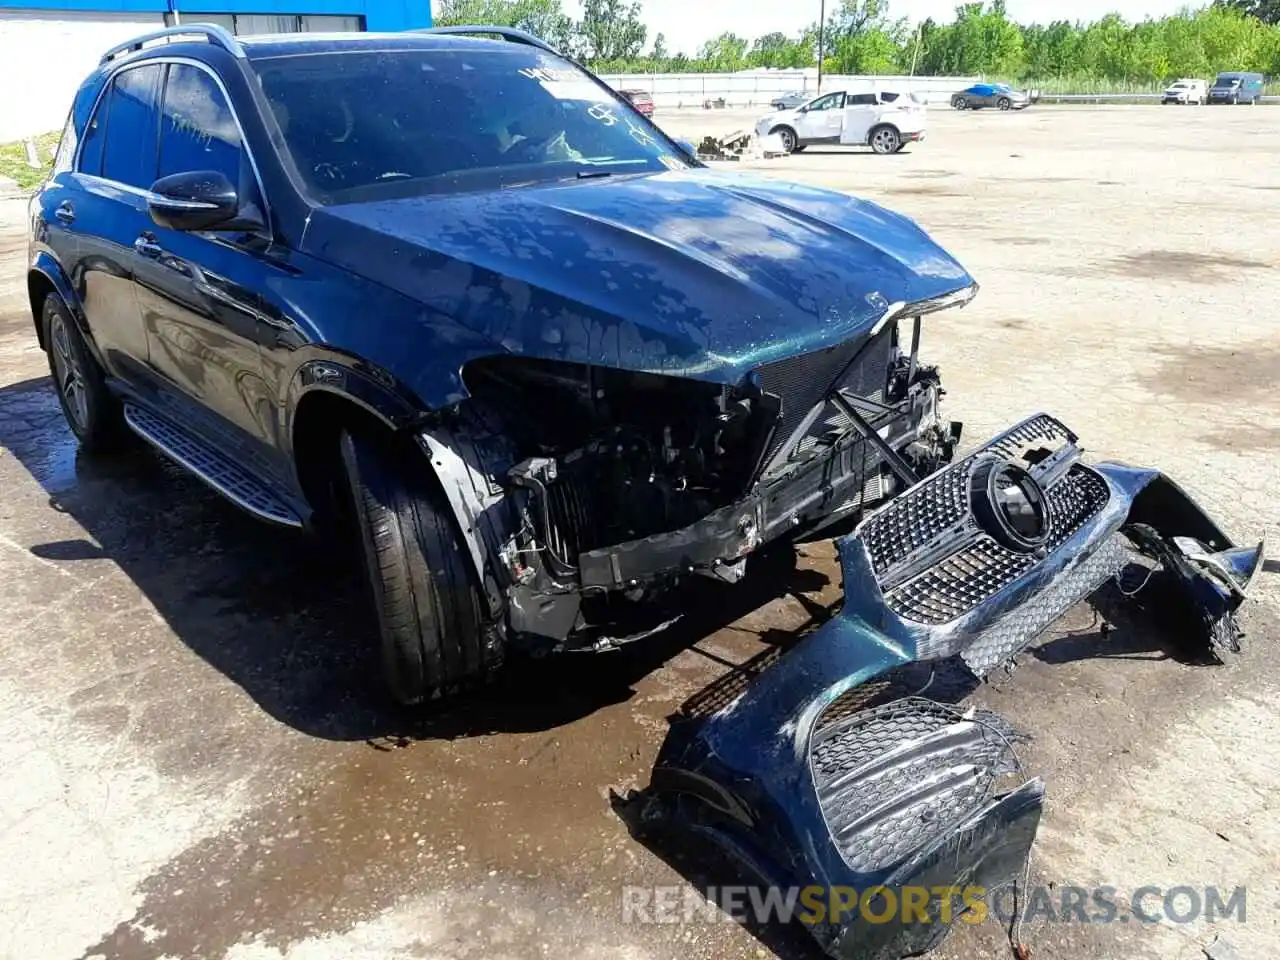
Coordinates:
[681,904]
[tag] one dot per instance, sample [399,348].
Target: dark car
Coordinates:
[642,100]
[1001,96]
[789,101]
[458,307]
[1237,87]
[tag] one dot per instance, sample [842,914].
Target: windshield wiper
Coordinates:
[592,174]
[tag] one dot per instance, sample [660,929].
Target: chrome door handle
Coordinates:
[147,246]
[65,212]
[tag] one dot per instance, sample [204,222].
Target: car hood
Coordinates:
[693,273]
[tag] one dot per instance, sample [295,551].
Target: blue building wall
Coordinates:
[378,14]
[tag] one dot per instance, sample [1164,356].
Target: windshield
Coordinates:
[1227,82]
[363,125]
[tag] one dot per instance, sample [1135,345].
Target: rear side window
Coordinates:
[129,141]
[860,99]
[197,128]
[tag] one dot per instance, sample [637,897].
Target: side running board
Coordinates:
[236,484]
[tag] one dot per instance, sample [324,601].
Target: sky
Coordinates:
[688,23]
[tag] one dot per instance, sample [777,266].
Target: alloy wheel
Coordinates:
[885,140]
[69,374]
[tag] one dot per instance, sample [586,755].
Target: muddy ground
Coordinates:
[191,764]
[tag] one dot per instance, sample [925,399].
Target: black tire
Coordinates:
[435,638]
[885,139]
[799,148]
[789,139]
[960,103]
[93,412]
[1004,103]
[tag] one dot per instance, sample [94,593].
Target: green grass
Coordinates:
[13,160]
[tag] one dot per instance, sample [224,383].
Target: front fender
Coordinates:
[45,269]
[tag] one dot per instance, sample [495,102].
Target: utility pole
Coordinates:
[822,26]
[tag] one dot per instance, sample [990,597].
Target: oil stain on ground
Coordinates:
[1182,265]
[1217,375]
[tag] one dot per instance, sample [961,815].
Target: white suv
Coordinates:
[885,120]
[1185,91]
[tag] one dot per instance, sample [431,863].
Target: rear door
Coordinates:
[108,209]
[197,291]
[861,112]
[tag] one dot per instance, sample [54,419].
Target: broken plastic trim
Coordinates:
[897,790]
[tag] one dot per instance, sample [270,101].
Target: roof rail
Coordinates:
[506,33]
[210,32]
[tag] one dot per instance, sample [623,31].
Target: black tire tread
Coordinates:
[435,641]
[106,431]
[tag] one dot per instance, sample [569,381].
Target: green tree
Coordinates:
[781,52]
[610,30]
[543,18]
[725,54]
[1268,11]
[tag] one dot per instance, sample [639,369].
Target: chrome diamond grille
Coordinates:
[984,567]
[915,518]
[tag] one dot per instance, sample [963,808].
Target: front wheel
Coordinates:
[93,413]
[1005,103]
[435,637]
[960,103]
[885,140]
[789,139]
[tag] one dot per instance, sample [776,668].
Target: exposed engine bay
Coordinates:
[586,490]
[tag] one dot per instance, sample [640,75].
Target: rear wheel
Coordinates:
[885,140]
[92,411]
[435,638]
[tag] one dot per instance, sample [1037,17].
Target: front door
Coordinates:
[821,120]
[196,290]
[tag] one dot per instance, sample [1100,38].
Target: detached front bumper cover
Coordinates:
[834,769]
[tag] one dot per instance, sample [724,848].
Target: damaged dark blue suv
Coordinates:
[453,297]
[456,290]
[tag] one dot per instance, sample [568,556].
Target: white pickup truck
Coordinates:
[885,120]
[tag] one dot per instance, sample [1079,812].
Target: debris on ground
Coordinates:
[1222,949]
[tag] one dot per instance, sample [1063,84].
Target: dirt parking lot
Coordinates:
[190,768]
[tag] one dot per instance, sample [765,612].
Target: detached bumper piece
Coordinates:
[833,770]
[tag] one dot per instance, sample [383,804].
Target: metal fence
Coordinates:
[673,91]
[1145,98]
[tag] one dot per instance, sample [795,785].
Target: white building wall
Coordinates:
[45,54]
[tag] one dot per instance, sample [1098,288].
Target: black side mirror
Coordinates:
[198,200]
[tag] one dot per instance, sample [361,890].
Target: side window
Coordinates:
[66,147]
[860,100]
[129,146]
[94,136]
[888,97]
[197,128]
[832,101]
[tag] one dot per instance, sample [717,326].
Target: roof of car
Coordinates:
[264,46]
